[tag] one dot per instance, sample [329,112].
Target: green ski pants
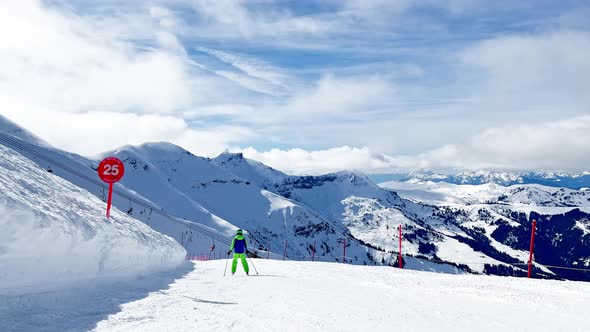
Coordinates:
[234,263]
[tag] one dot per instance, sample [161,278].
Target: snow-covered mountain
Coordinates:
[54,233]
[180,182]
[442,193]
[195,191]
[277,214]
[356,206]
[12,129]
[472,232]
[256,172]
[498,219]
[552,179]
[81,171]
[482,231]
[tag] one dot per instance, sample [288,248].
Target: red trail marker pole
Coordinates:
[399,258]
[109,200]
[532,248]
[344,252]
[110,170]
[285,252]
[313,252]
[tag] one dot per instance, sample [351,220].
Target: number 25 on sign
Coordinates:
[110,170]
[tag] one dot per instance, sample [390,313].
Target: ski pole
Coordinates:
[226,260]
[251,262]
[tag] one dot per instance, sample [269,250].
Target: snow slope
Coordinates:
[306,296]
[55,233]
[162,172]
[496,220]
[15,130]
[81,171]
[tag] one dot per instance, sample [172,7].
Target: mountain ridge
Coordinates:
[572,180]
[333,210]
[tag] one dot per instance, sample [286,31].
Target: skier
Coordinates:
[240,249]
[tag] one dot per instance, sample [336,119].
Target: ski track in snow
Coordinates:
[312,296]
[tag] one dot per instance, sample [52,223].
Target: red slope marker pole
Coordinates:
[110,170]
[532,248]
[285,252]
[109,200]
[400,248]
[344,251]
[313,252]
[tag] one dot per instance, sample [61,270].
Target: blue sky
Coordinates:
[308,86]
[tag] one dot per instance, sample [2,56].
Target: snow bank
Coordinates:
[55,234]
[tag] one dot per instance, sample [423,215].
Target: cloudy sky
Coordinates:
[307,86]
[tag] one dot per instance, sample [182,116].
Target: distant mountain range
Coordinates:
[580,180]
[459,231]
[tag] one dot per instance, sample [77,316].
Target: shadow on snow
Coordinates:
[80,308]
[199,300]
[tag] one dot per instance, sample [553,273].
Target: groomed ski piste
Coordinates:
[308,296]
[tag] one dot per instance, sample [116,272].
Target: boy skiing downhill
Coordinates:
[240,249]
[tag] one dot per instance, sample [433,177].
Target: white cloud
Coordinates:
[84,85]
[164,16]
[95,132]
[331,99]
[561,144]
[525,73]
[334,96]
[234,19]
[299,161]
[250,66]
[375,9]
[64,70]
[251,83]
[557,145]
[64,63]
[253,74]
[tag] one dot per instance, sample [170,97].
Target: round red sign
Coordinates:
[111,170]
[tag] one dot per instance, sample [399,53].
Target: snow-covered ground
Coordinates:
[304,296]
[54,234]
[313,296]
